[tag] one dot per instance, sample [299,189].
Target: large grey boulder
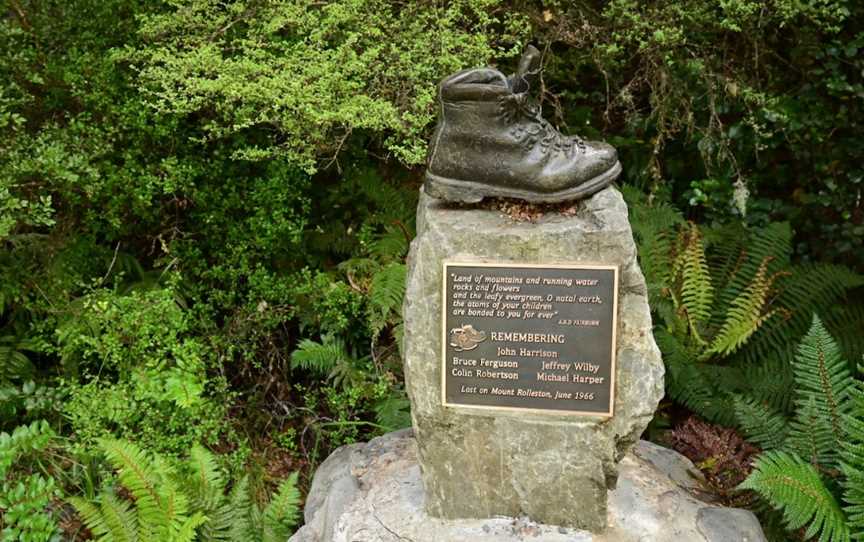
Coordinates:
[372,492]
[554,469]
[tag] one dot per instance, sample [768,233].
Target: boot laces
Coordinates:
[512,106]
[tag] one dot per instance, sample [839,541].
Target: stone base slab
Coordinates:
[372,492]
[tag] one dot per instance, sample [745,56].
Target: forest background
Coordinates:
[205,206]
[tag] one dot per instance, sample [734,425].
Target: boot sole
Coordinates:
[472,192]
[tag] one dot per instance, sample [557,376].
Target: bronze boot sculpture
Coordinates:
[492,141]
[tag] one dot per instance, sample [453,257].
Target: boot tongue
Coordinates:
[527,72]
[475,84]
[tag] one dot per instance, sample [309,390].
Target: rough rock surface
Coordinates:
[553,469]
[372,493]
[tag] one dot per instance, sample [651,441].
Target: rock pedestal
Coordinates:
[551,468]
[371,492]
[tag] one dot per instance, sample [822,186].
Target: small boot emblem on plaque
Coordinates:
[466,338]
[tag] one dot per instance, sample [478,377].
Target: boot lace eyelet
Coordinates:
[513,106]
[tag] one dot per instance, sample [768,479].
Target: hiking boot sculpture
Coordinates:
[491,141]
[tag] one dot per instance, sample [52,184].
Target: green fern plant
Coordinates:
[183,503]
[729,306]
[694,295]
[790,483]
[232,516]
[385,298]
[852,462]
[160,510]
[362,357]
[330,358]
[761,424]
[275,521]
[813,469]
[822,387]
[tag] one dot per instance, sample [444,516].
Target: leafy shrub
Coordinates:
[26,496]
[315,73]
[134,370]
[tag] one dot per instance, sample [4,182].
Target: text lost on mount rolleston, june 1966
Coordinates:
[527,336]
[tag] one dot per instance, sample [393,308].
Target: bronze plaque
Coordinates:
[530,337]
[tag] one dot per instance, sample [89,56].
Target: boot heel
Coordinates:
[451,190]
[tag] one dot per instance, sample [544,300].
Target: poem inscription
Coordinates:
[524,336]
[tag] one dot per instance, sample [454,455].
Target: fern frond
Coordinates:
[746,314]
[852,462]
[823,383]
[393,202]
[208,487]
[809,289]
[770,382]
[725,251]
[391,244]
[393,412]
[793,485]
[138,474]
[810,437]
[697,292]
[186,529]
[282,512]
[385,296]
[240,502]
[688,384]
[161,507]
[120,519]
[319,357]
[207,481]
[114,520]
[760,423]
[770,244]
[91,515]
[228,520]
[175,503]
[653,225]
[845,321]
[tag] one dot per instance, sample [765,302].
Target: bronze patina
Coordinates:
[492,141]
[529,337]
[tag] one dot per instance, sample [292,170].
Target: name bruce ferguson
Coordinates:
[508,336]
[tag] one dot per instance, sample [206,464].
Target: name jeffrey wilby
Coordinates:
[552,365]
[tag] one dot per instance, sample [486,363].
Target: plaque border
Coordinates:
[558,265]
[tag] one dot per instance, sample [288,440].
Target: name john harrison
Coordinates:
[518,337]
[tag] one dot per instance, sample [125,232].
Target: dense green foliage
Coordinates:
[815,457]
[732,107]
[205,208]
[25,493]
[730,307]
[183,503]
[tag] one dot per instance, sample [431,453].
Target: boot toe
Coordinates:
[605,154]
[599,157]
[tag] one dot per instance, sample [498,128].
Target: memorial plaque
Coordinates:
[530,337]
